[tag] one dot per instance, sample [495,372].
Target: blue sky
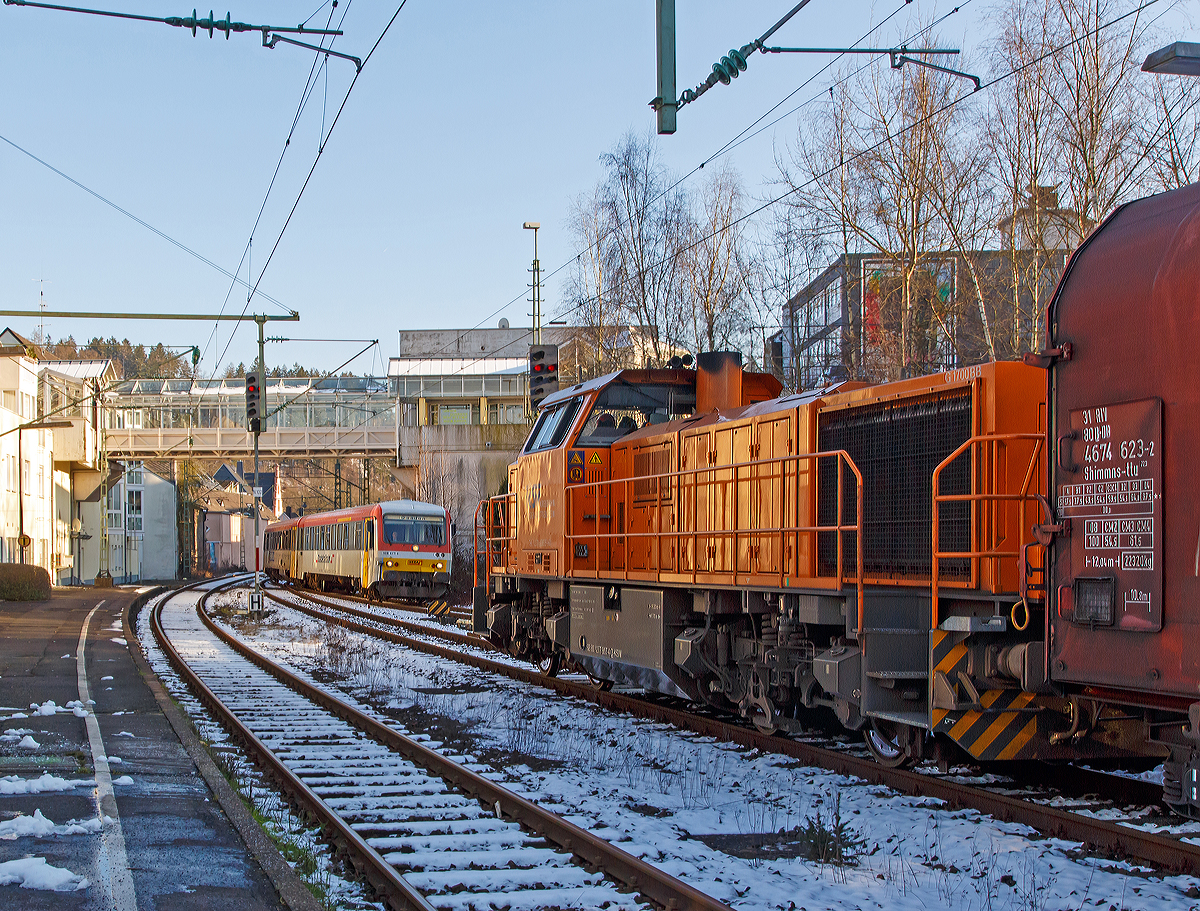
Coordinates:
[470,119]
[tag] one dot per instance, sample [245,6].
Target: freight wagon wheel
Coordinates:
[885,740]
[600,683]
[551,664]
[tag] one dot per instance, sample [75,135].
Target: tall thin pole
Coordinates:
[20,494]
[262,364]
[537,293]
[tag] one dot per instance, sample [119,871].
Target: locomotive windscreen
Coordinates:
[896,446]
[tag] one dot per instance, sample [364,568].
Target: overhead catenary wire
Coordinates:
[145,224]
[694,170]
[317,159]
[727,147]
[886,139]
[305,95]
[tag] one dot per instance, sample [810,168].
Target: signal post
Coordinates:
[254,382]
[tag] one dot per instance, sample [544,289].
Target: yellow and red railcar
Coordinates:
[396,549]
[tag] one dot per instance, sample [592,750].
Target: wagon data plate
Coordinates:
[1114,502]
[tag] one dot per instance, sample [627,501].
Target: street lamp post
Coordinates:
[1179,59]
[537,284]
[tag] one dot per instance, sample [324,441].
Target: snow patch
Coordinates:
[119,640]
[15,784]
[38,826]
[28,743]
[37,873]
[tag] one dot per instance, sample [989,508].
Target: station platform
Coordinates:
[118,792]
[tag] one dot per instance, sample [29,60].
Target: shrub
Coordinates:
[21,582]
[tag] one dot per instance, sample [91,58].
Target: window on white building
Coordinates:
[133,515]
[113,508]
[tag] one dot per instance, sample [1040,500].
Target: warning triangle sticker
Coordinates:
[595,459]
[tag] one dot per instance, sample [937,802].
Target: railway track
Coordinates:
[1107,837]
[424,829]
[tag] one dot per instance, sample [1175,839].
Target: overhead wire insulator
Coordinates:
[729,66]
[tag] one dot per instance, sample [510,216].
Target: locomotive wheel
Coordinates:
[551,664]
[885,740]
[763,725]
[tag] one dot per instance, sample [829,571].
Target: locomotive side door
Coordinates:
[773,507]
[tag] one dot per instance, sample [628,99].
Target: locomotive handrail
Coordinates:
[696,535]
[497,549]
[1023,498]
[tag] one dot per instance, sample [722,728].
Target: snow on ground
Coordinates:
[37,825]
[37,873]
[300,843]
[15,784]
[738,824]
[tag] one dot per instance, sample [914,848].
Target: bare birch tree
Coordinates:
[1099,106]
[1020,126]
[647,220]
[589,290]
[1173,145]
[713,275]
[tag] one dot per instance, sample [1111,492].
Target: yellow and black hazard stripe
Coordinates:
[1004,728]
[948,653]
[439,608]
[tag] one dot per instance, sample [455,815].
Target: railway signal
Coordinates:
[253,403]
[543,373]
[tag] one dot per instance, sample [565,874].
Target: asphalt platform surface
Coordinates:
[169,844]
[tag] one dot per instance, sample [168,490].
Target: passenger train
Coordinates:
[1002,560]
[396,549]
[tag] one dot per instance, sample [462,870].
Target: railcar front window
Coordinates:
[414,530]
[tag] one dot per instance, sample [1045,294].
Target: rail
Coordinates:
[636,874]
[730,485]
[1023,498]
[1108,837]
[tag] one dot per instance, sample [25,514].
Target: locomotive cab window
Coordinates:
[621,409]
[552,426]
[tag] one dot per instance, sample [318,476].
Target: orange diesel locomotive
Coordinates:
[984,558]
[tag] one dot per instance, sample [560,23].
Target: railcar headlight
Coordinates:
[438,565]
[1094,601]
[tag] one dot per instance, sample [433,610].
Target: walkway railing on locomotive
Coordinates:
[708,477]
[995,494]
[494,553]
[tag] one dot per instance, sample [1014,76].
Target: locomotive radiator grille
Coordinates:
[897,446]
